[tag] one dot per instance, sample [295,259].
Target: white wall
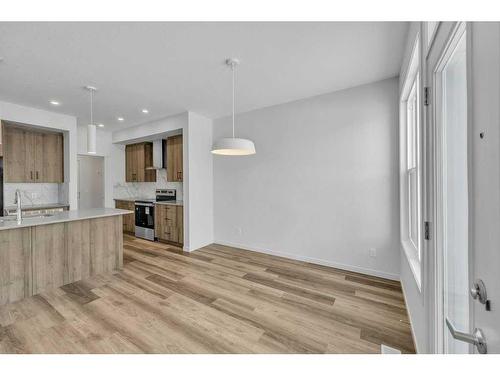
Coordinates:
[197,186]
[198,181]
[51,120]
[323,186]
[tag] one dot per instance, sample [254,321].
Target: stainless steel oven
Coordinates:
[145,220]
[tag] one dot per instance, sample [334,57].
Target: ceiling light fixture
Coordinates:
[54,102]
[233,146]
[145,110]
[91,128]
[120,119]
[101,125]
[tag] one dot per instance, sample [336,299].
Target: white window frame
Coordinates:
[412,247]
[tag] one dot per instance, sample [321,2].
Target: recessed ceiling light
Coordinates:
[54,102]
[145,110]
[101,125]
[120,119]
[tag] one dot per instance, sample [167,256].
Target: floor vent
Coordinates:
[384,349]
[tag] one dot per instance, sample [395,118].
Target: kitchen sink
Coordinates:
[37,216]
[4,219]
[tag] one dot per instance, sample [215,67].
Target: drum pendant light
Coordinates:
[91,128]
[233,146]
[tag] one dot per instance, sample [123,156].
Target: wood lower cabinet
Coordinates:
[138,157]
[32,156]
[15,267]
[174,158]
[169,224]
[128,220]
[43,257]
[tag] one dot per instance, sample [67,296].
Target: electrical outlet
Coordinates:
[373,252]
[239,231]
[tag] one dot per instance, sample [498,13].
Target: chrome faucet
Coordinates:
[19,212]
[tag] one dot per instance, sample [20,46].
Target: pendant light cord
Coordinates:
[232,68]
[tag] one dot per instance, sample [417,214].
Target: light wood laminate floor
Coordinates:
[215,300]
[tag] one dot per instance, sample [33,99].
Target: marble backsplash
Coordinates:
[146,189]
[32,194]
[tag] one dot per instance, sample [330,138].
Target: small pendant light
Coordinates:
[233,146]
[91,128]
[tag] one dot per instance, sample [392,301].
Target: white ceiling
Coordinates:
[172,67]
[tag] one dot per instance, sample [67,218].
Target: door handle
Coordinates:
[476,338]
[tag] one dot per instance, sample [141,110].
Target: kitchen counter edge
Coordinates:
[63,217]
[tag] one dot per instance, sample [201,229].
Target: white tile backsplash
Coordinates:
[33,193]
[147,189]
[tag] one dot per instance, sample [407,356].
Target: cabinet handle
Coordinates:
[31,175]
[37,175]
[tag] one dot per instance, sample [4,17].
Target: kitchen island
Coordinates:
[48,251]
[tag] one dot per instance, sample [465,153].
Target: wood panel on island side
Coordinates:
[214,300]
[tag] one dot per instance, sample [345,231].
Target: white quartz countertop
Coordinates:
[10,222]
[133,199]
[171,203]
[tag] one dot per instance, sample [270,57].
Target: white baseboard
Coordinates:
[323,262]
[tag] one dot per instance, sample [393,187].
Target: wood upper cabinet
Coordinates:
[137,157]
[174,158]
[53,156]
[32,156]
[16,167]
[169,225]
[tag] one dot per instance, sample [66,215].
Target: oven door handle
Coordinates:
[145,204]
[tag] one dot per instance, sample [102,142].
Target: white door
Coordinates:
[462,216]
[485,174]
[90,181]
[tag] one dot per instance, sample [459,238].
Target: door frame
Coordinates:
[101,157]
[434,187]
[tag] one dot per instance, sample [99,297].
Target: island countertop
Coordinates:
[10,222]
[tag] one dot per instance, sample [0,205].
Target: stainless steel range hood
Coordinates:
[157,155]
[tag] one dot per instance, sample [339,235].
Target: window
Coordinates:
[410,181]
[412,170]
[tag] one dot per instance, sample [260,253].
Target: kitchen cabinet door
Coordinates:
[137,157]
[131,163]
[180,224]
[168,223]
[174,159]
[149,174]
[52,169]
[16,168]
[128,220]
[38,159]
